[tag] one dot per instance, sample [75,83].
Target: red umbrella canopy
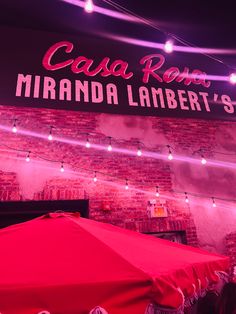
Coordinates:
[66,264]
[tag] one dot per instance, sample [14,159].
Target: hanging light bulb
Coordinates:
[169,46]
[139,152]
[88,7]
[28,157]
[62,167]
[170,156]
[157,191]
[87,142]
[186,197]
[95,176]
[50,138]
[14,128]
[232,78]
[126,184]
[213,202]
[203,160]
[109,147]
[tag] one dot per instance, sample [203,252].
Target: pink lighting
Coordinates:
[232,78]
[169,47]
[203,161]
[126,185]
[177,48]
[170,156]
[139,152]
[95,176]
[104,11]
[14,128]
[87,142]
[213,202]
[186,197]
[28,157]
[88,6]
[50,138]
[109,147]
[62,167]
[157,191]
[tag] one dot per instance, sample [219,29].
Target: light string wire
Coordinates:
[166,147]
[169,34]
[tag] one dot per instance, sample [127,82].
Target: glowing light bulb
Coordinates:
[62,167]
[186,197]
[213,202]
[139,152]
[50,138]
[87,144]
[126,185]
[89,6]
[28,157]
[203,161]
[232,78]
[169,47]
[157,191]
[95,177]
[14,128]
[109,147]
[170,156]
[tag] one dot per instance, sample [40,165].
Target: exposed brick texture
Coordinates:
[231,249]
[109,203]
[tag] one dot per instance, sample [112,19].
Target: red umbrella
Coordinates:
[65,264]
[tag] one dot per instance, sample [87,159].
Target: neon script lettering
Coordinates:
[150,69]
[83,65]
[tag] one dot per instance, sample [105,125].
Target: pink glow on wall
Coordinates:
[147,154]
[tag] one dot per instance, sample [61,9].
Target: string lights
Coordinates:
[139,152]
[62,167]
[169,46]
[50,138]
[28,154]
[186,197]
[95,176]
[213,202]
[232,78]
[14,128]
[88,7]
[109,147]
[203,160]
[28,157]
[88,145]
[170,156]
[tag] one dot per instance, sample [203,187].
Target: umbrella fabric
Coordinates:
[66,264]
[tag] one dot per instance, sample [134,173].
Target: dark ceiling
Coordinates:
[206,23]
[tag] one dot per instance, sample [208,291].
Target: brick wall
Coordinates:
[109,201]
[231,249]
